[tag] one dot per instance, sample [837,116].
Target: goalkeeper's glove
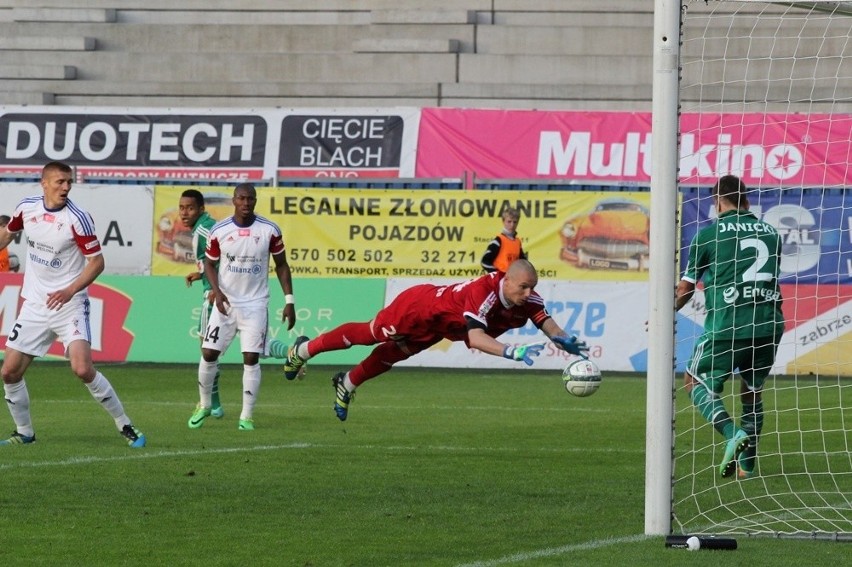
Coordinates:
[572,345]
[523,352]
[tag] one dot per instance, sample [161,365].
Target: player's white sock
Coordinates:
[18,402]
[102,391]
[347,383]
[206,375]
[251,387]
[302,351]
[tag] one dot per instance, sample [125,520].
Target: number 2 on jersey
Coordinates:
[761,251]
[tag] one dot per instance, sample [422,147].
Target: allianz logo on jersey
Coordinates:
[253,269]
[758,294]
[56,263]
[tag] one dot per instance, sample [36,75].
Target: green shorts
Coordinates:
[715,360]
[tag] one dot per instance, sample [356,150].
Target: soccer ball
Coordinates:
[582,378]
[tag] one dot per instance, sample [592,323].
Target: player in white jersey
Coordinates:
[63,258]
[237,267]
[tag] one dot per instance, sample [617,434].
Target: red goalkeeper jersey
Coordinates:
[427,311]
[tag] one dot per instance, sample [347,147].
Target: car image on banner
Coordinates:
[174,240]
[613,236]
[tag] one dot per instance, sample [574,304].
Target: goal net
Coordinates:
[766,94]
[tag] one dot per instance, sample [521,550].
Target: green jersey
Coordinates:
[200,233]
[738,258]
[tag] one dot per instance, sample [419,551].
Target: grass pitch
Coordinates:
[433,467]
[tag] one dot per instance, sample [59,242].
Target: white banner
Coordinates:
[216,144]
[609,316]
[122,215]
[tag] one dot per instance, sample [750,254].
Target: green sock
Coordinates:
[713,410]
[277,349]
[752,423]
[214,394]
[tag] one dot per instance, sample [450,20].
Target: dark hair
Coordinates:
[195,195]
[4,220]
[246,187]
[732,189]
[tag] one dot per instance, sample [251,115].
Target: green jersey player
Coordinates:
[193,215]
[737,258]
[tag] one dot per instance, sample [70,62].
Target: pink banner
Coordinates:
[764,149]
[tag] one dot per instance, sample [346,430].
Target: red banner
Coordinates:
[109,307]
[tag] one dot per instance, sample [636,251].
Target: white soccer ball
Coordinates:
[693,544]
[582,378]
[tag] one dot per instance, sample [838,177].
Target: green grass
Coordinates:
[433,468]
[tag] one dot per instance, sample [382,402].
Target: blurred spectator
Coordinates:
[506,246]
[8,262]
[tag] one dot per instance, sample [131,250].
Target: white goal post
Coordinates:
[761,90]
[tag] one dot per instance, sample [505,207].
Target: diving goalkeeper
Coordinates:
[475,311]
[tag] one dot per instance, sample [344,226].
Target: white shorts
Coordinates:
[251,321]
[37,327]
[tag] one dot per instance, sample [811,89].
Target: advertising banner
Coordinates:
[348,143]
[221,144]
[411,233]
[155,319]
[134,143]
[813,224]
[615,147]
[122,218]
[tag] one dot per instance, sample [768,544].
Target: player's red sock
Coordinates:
[378,362]
[342,337]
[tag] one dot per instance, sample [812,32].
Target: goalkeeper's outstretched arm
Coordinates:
[569,343]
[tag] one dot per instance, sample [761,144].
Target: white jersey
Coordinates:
[243,256]
[58,242]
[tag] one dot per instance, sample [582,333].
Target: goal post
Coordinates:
[761,90]
[662,267]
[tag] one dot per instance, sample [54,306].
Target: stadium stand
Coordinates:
[547,54]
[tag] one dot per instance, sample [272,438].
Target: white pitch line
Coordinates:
[571,409]
[144,454]
[556,551]
[148,454]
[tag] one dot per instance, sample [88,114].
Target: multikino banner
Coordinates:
[615,147]
[334,233]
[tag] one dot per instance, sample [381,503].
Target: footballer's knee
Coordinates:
[209,355]
[83,370]
[10,376]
